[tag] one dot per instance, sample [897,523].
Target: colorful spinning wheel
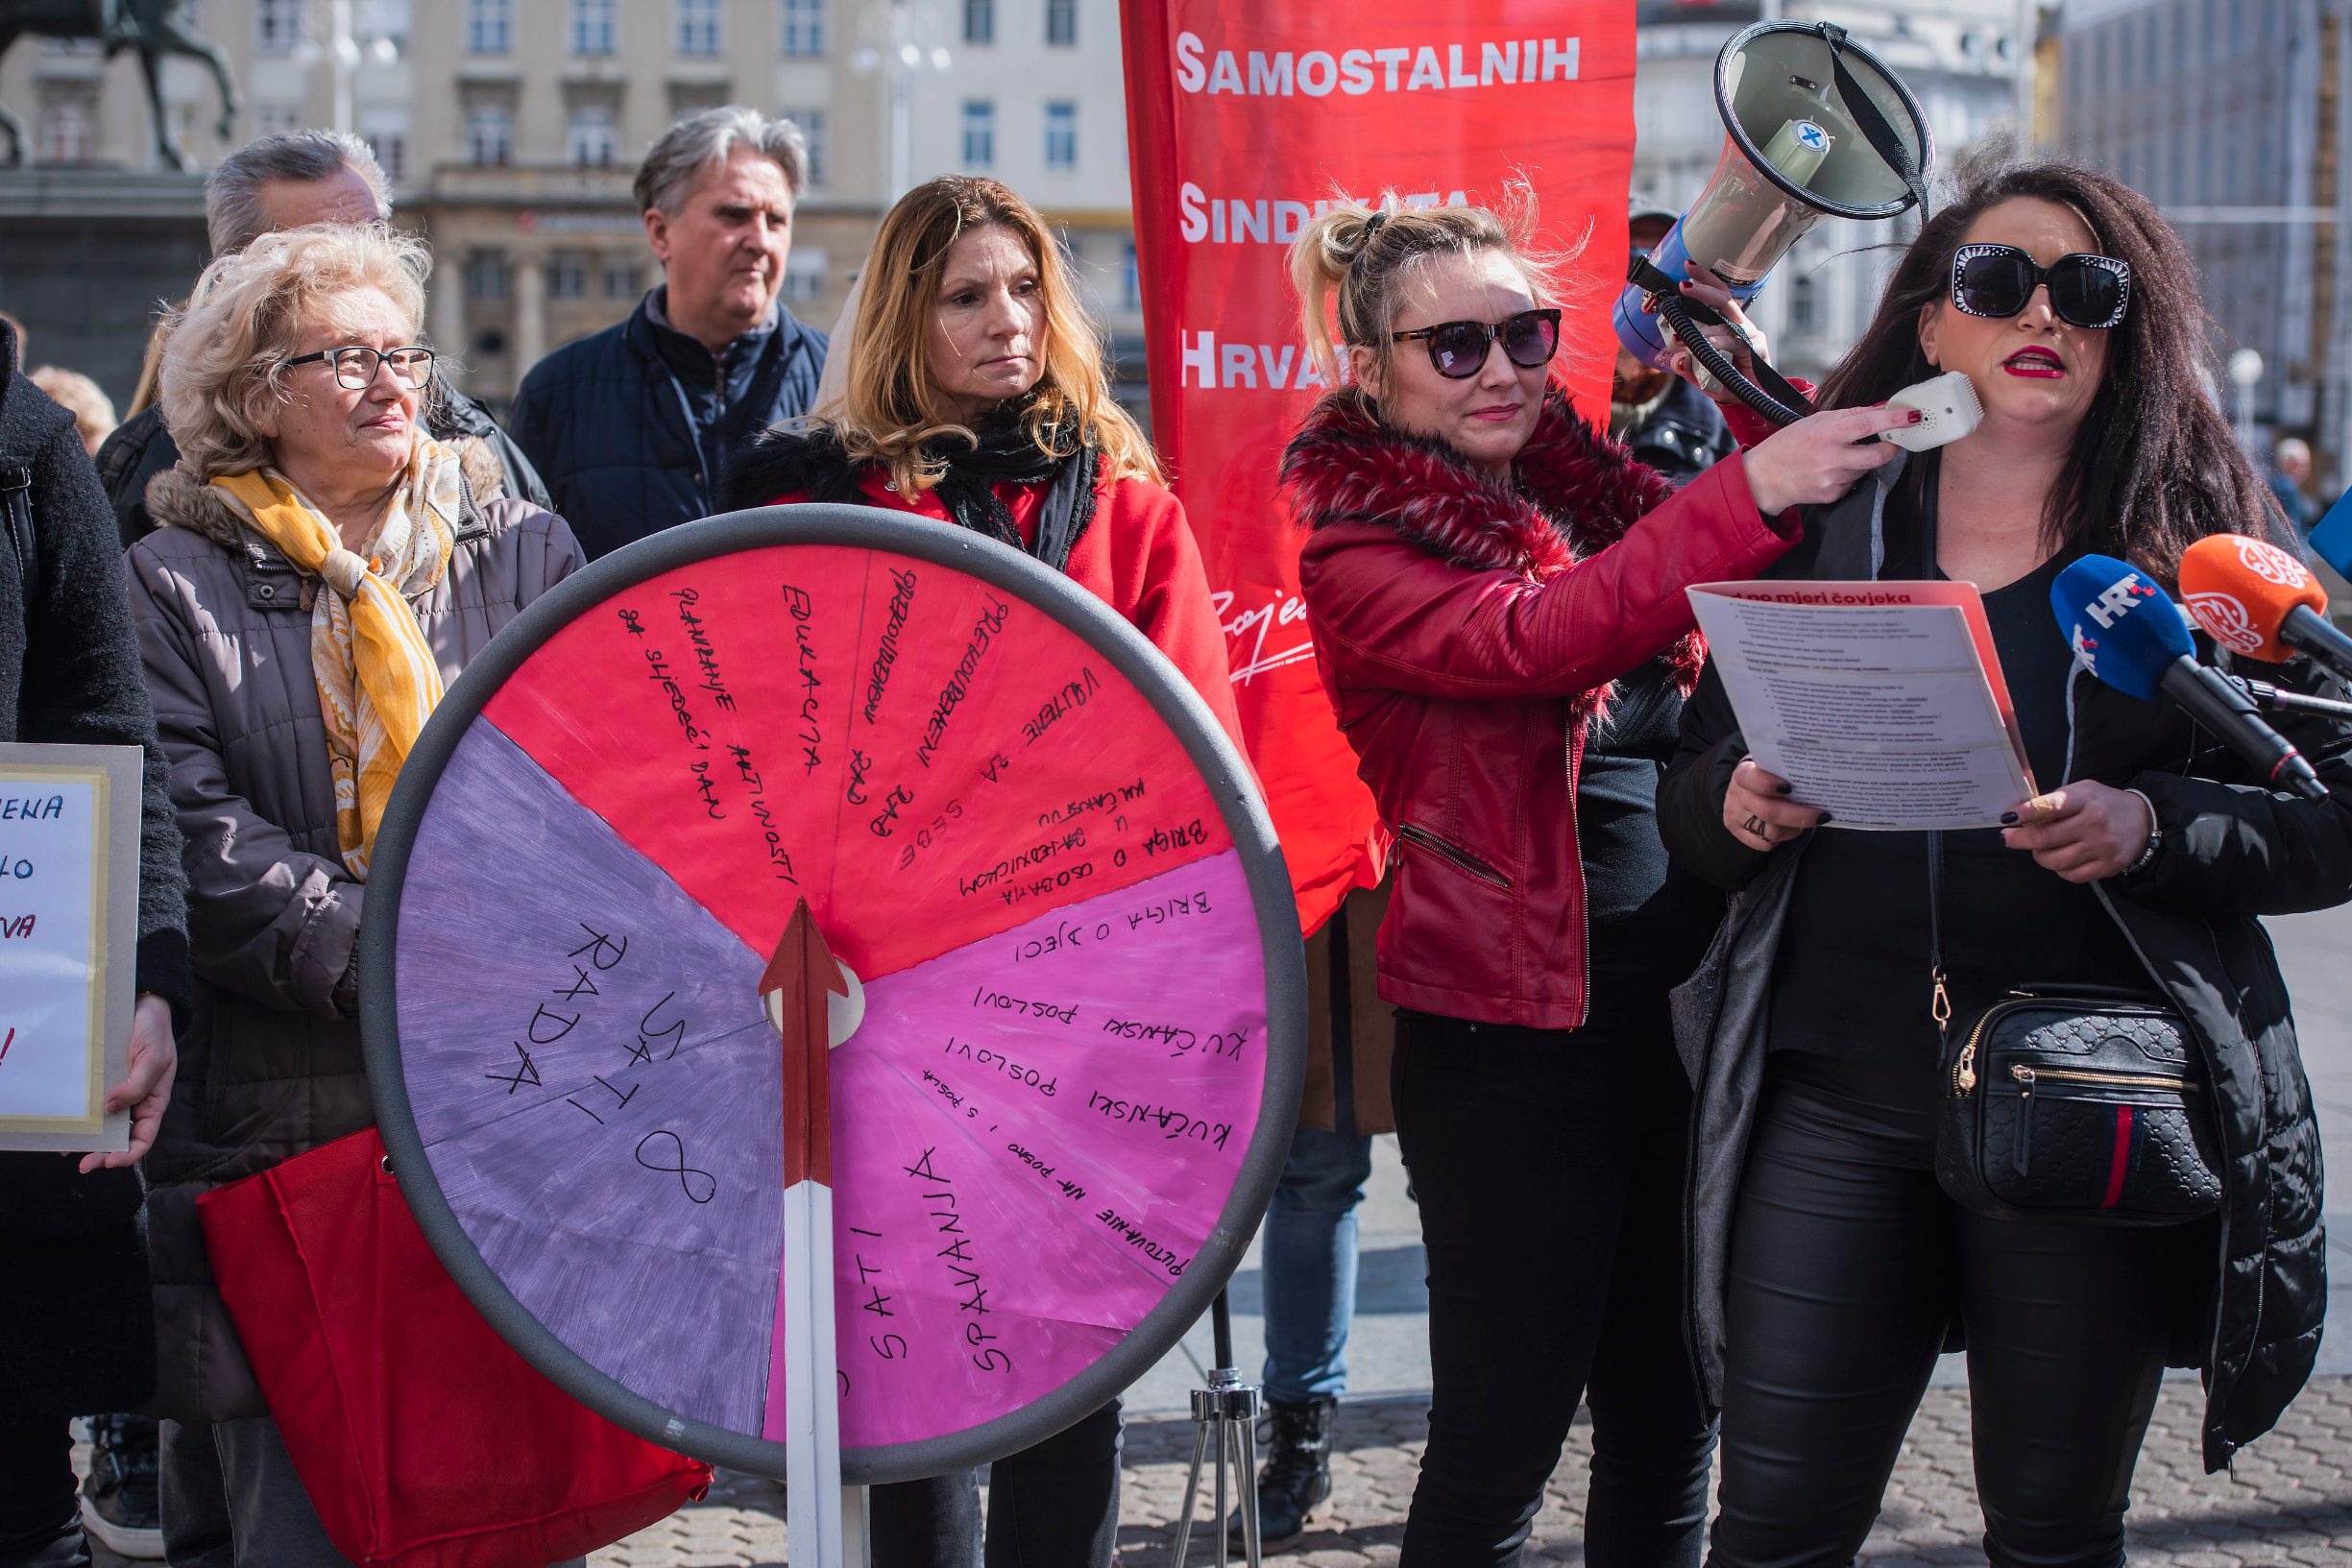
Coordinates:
[1054,893]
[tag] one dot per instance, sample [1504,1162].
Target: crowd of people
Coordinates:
[303,533]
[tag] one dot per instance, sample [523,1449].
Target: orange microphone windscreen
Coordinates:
[2241,590]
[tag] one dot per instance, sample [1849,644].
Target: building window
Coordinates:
[1803,303]
[278,25]
[698,27]
[804,27]
[979,133]
[385,129]
[979,21]
[1130,281]
[1062,136]
[804,275]
[490,135]
[567,275]
[594,139]
[623,280]
[1061,22]
[592,26]
[275,119]
[812,123]
[386,20]
[486,276]
[490,26]
[67,135]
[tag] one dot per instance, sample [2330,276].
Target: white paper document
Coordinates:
[68,926]
[1880,703]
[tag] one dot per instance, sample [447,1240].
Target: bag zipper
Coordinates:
[1964,1069]
[1462,861]
[2031,1076]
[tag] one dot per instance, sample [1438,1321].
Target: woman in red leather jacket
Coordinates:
[1496,591]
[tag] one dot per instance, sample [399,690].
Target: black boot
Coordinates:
[1296,1482]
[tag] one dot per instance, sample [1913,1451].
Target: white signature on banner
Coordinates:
[1249,631]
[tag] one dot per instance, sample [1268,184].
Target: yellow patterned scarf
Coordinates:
[378,679]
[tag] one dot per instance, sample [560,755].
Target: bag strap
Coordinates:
[1871,123]
[1939,997]
[16,504]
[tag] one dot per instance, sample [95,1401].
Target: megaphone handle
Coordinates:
[1774,400]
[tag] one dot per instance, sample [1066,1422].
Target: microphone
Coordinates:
[2256,599]
[2128,632]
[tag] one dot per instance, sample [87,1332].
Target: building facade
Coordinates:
[511,129]
[2230,115]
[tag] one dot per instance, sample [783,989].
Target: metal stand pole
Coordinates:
[1226,1410]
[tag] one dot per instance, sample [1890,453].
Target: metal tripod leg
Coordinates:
[1226,1412]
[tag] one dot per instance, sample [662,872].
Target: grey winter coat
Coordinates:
[2232,852]
[272,1066]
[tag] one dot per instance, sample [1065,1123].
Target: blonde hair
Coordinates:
[1352,262]
[224,358]
[892,412]
[93,411]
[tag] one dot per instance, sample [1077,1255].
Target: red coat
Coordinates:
[1138,556]
[1466,630]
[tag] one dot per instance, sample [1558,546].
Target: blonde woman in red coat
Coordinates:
[976,396]
[1496,594]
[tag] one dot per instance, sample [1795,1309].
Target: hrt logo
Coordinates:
[2086,649]
[2116,602]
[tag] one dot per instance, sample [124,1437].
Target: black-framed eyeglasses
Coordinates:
[1459,350]
[355,366]
[1999,280]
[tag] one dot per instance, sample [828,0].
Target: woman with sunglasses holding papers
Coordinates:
[1496,591]
[1828,1262]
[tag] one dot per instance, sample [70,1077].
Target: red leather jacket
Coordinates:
[1466,630]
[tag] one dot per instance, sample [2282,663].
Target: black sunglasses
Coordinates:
[1459,349]
[1999,280]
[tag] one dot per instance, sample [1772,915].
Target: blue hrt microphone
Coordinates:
[2128,632]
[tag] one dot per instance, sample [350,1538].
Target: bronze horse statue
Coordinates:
[155,28]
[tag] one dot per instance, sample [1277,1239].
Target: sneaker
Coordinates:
[1295,1484]
[119,1499]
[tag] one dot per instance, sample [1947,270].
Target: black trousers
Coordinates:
[38,1503]
[1549,1167]
[1849,1266]
[1053,1504]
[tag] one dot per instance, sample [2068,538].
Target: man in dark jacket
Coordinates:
[634,425]
[77,1330]
[1669,424]
[285,182]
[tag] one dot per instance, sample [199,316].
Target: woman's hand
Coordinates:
[1817,459]
[2084,832]
[154,1061]
[1757,811]
[1742,343]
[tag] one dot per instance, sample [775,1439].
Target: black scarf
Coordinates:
[1008,455]
[810,463]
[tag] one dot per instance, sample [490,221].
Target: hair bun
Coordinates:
[1363,238]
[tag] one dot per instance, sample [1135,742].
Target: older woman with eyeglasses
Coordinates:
[325,568]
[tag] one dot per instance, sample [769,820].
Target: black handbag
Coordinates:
[2078,1102]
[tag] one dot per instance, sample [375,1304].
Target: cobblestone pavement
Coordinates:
[2289,1502]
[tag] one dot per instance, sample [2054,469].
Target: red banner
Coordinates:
[1244,120]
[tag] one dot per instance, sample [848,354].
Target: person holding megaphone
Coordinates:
[1837,1244]
[1496,594]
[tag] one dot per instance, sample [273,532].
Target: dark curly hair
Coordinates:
[2155,465]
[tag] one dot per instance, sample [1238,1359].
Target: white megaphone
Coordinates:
[1816,127]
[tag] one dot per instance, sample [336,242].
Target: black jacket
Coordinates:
[1682,436]
[76,1332]
[605,419]
[2233,852]
[140,448]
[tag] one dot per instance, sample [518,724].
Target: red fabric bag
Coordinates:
[424,1439]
